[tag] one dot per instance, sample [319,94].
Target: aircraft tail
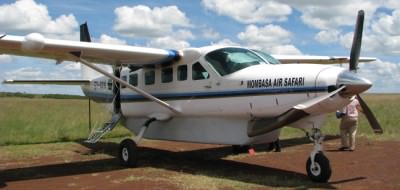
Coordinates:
[86,72]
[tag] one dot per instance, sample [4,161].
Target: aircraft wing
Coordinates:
[35,45]
[318,59]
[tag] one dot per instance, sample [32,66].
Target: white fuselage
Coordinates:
[216,109]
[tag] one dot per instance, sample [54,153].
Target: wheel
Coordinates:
[238,149]
[321,170]
[127,153]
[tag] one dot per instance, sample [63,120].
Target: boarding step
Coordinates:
[107,127]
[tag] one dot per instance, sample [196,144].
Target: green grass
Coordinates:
[40,119]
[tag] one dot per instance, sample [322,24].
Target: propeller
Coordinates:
[353,62]
[357,38]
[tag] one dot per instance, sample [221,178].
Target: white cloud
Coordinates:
[104,38]
[384,75]
[250,11]
[210,33]
[41,70]
[176,41]
[326,15]
[25,16]
[24,73]
[226,42]
[285,49]
[388,24]
[143,21]
[327,36]
[168,42]
[269,34]
[346,41]
[71,66]
[392,4]
[271,38]
[382,37]
[381,31]
[183,34]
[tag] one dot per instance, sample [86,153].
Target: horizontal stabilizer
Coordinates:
[49,82]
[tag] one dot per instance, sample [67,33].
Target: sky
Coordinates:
[301,27]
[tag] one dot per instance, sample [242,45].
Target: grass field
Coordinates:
[38,120]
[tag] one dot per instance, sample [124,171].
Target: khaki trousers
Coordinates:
[348,130]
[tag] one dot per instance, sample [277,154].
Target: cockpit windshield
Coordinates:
[267,57]
[228,60]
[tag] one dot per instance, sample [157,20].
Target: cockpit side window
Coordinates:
[198,72]
[229,60]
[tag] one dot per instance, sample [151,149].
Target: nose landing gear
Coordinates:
[318,166]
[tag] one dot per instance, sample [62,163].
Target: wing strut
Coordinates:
[115,79]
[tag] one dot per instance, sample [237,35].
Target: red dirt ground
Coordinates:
[374,165]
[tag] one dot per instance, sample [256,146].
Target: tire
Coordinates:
[239,149]
[127,153]
[321,172]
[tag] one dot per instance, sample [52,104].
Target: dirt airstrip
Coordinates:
[171,165]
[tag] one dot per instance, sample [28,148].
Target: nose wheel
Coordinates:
[320,169]
[318,166]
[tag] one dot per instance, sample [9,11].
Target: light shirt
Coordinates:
[351,109]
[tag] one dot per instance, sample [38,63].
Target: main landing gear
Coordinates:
[127,152]
[318,167]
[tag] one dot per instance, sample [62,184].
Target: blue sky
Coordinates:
[308,27]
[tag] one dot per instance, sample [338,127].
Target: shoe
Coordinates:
[343,148]
[270,147]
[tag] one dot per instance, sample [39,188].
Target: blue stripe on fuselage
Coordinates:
[203,95]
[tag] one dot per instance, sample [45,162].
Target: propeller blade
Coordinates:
[370,116]
[357,38]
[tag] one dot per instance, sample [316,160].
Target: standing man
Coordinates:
[275,145]
[349,124]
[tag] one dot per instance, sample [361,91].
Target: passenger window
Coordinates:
[133,79]
[149,77]
[167,75]
[124,78]
[198,72]
[109,84]
[182,73]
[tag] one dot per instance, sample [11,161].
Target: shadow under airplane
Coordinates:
[206,162]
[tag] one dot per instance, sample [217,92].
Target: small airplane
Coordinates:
[214,94]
